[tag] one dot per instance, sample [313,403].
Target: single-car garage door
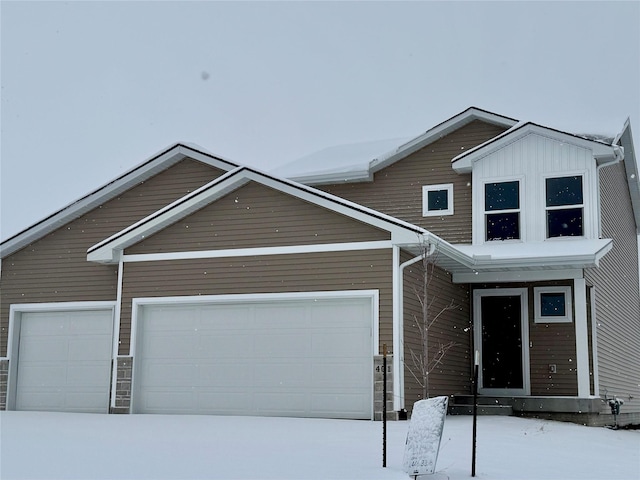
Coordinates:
[305,358]
[64,361]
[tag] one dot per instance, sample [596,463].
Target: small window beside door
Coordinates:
[552,305]
[437,200]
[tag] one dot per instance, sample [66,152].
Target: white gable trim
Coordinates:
[109,250]
[140,173]
[602,152]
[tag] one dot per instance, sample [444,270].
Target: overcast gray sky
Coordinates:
[91,89]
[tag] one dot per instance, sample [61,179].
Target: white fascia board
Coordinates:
[437,133]
[131,177]
[625,139]
[516,276]
[352,176]
[602,152]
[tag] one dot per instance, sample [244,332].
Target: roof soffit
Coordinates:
[130,178]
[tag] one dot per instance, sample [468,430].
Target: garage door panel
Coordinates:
[258,357]
[34,347]
[90,348]
[38,375]
[347,405]
[280,345]
[221,375]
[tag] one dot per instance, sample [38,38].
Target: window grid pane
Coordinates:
[564,223]
[564,191]
[503,226]
[553,304]
[502,196]
[437,200]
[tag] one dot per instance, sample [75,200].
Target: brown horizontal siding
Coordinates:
[453,375]
[55,268]
[397,189]
[549,343]
[257,216]
[361,270]
[617,294]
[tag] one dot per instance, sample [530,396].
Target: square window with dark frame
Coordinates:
[437,200]
[564,207]
[552,304]
[502,210]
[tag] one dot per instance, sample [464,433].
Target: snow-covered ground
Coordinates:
[84,446]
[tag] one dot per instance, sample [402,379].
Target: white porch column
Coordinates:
[398,357]
[582,337]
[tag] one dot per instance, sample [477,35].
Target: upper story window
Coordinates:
[564,206]
[502,210]
[437,200]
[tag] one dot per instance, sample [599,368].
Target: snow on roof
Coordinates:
[340,159]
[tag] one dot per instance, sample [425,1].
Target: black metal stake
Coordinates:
[475,416]
[384,405]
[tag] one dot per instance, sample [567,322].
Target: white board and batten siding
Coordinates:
[63,361]
[531,160]
[268,355]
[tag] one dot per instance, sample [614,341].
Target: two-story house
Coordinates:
[191,284]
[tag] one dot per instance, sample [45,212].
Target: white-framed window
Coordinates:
[552,305]
[564,206]
[502,210]
[437,200]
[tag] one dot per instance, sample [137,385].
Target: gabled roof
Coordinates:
[140,173]
[109,250]
[313,170]
[602,152]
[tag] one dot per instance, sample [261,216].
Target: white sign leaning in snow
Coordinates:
[423,437]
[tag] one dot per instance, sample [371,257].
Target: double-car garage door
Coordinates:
[306,358]
[259,355]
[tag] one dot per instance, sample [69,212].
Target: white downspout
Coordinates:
[398,324]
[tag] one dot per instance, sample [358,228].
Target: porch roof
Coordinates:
[471,263]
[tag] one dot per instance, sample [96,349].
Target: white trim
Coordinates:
[594,342]
[520,179]
[537,305]
[373,295]
[517,276]
[448,187]
[105,250]
[582,337]
[586,205]
[259,251]
[148,168]
[398,332]
[15,317]
[116,334]
[524,322]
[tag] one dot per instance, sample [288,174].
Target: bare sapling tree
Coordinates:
[427,358]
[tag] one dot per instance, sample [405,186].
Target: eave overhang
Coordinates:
[602,152]
[111,249]
[140,173]
[365,173]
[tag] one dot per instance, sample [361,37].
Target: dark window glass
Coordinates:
[503,226]
[552,304]
[564,223]
[437,200]
[501,196]
[564,191]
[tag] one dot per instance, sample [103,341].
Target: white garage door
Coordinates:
[305,358]
[64,361]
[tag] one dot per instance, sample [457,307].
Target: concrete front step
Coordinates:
[457,409]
